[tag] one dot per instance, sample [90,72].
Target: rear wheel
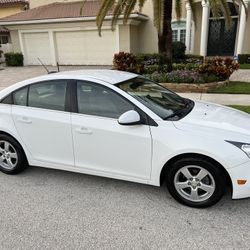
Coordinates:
[12,157]
[196,182]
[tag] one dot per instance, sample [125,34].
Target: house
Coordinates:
[55,31]
[10,7]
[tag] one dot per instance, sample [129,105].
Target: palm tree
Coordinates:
[162,16]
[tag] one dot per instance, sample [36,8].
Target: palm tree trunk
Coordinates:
[165,38]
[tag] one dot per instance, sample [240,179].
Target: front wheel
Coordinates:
[196,182]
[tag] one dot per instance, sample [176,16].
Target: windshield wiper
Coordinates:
[181,112]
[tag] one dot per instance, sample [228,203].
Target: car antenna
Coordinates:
[58,67]
[49,72]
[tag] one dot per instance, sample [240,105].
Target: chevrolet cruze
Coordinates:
[123,126]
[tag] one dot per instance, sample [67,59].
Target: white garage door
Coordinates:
[85,47]
[36,45]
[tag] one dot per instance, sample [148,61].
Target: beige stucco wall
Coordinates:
[134,45]
[7,11]
[147,33]
[197,27]
[15,41]
[246,46]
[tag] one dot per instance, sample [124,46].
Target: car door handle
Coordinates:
[24,120]
[83,130]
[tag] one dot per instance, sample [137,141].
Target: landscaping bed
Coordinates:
[194,88]
[187,73]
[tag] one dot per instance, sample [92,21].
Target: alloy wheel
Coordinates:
[194,183]
[8,155]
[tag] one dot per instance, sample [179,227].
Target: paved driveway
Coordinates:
[11,75]
[50,209]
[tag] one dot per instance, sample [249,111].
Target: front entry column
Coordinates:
[204,27]
[242,28]
[188,28]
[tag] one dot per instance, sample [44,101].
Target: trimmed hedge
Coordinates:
[14,59]
[178,51]
[244,58]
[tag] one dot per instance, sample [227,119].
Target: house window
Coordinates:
[4,39]
[179,31]
[179,35]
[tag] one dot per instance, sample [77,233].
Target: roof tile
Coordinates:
[57,10]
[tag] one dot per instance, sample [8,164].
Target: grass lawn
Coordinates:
[242,108]
[245,66]
[233,88]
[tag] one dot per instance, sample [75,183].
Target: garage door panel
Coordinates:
[85,47]
[36,45]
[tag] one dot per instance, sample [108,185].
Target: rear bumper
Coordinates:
[241,172]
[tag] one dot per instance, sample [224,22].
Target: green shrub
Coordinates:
[127,62]
[185,66]
[194,58]
[14,59]
[178,51]
[244,58]
[182,76]
[223,68]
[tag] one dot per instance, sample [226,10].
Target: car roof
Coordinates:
[108,76]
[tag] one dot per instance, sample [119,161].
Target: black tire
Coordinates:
[21,161]
[216,176]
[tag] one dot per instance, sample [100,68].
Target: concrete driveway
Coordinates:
[50,209]
[11,75]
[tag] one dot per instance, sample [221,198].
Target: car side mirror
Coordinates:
[129,118]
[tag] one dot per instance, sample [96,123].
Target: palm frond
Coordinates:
[191,3]
[119,7]
[128,10]
[178,8]
[141,4]
[106,5]
[81,10]
[226,12]
[215,8]
[158,14]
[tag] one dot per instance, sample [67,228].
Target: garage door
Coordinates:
[36,45]
[85,47]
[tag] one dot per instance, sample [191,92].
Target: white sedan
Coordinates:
[120,125]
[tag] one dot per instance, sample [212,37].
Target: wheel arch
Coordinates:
[8,134]
[167,165]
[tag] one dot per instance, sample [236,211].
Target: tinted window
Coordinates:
[161,101]
[20,97]
[7,100]
[97,100]
[48,95]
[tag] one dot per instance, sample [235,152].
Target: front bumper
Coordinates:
[241,172]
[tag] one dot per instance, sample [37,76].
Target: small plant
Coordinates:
[14,59]
[220,67]
[196,59]
[182,76]
[244,58]
[179,49]
[127,62]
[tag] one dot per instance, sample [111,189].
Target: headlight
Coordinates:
[245,147]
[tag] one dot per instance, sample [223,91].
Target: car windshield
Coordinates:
[163,102]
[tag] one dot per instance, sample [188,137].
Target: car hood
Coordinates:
[217,120]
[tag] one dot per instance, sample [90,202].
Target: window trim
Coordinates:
[67,104]
[146,119]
